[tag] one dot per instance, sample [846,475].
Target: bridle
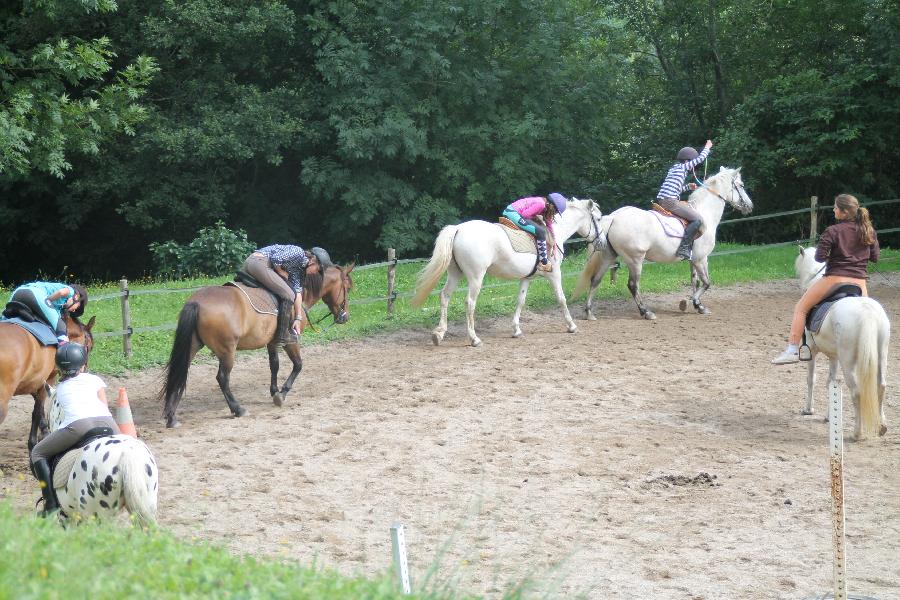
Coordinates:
[735,189]
[338,312]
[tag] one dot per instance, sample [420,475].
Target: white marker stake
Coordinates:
[398,541]
[836,447]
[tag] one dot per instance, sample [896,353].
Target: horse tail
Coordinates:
[140,481]
[868,371]
[440,260]
[179,359]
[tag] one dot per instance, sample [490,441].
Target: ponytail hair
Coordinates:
[859,215]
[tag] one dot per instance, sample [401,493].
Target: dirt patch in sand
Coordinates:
[632,459]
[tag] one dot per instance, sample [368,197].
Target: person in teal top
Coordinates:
[47,300]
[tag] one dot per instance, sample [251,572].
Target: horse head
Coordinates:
[807,268]
[336,292]
[588,225]
[79,332]
[728,186]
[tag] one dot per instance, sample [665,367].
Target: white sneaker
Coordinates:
[786,358]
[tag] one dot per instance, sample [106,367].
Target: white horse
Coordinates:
[474,248]
[634,234]
[108,474]
[854,335]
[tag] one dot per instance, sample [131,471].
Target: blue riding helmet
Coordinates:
[559,201]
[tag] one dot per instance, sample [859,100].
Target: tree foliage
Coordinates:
[363,125]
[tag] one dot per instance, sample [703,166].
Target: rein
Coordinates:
[342,309]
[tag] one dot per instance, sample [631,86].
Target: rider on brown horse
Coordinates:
[281,268]
[46,300]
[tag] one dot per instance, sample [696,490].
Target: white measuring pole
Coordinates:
[836,448]
[398,541]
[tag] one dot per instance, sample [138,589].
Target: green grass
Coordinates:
[497,298]
[40,560]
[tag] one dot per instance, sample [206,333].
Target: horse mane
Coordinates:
[314,281]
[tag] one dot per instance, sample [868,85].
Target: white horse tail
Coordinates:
[139,482]
[868,372]
[440,260]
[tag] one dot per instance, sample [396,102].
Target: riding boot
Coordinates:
[283,329]
[42,472]
[687,241]
[543,264]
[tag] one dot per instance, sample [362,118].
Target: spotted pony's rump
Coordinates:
[107,475]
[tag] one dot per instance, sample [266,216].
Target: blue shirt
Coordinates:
[290,258]
[674,182]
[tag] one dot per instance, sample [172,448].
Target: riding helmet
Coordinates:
[687,153]
[559,201]
[70,358]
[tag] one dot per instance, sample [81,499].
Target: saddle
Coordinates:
[261,299]
[43,333]
[817,314]
[61,464]
[654,207]
[525,243]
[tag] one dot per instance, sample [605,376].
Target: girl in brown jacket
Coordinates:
[846,248]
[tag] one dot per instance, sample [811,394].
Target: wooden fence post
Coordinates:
[391,279]
[813,219]
[126,318]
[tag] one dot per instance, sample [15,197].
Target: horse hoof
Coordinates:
[240,412]
[173,423]
[517,333]
[573,328]
[806,412]
[588,315]
[476,342]
[704,311]
[650,315]
[277,399]
[435,339]
[683,305]
[882,430]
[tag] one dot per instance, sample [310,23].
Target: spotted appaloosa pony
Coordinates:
[26,367]
[475,248]
[855,336]
[109,474]
[633,235]
[222,318]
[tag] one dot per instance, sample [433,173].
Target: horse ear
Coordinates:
[721,168]
[349,268]
[801,249]
[90,324]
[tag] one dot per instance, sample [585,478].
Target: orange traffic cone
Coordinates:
[123,414]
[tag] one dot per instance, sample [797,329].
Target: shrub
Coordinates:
[215,251]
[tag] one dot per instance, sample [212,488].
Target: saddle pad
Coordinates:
[262,300]
[521,241]
[41,331]
[672,225]
[817,315]
[64,467]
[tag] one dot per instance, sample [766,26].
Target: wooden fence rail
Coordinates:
[392,261]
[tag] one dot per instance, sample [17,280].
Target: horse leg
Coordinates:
[634,280]
[453,275]
[595,283]
[277,397]
[223,376]
[695,282]
[293,352]
[701,270]
[810,384]
[882,382]
[523,291]
[37,416]
[555,278]
[471,299]
[833,366]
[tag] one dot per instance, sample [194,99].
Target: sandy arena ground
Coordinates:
[629,460]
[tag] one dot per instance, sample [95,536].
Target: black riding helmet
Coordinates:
[70,358]
[687,153]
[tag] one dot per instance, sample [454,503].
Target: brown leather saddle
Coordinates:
[667,213]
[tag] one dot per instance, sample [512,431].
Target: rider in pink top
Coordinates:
[523,211]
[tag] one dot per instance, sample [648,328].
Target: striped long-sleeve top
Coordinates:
[674,182]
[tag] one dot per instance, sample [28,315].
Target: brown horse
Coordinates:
[221,318]
[27,367]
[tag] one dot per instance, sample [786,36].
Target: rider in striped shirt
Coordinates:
[670,193]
